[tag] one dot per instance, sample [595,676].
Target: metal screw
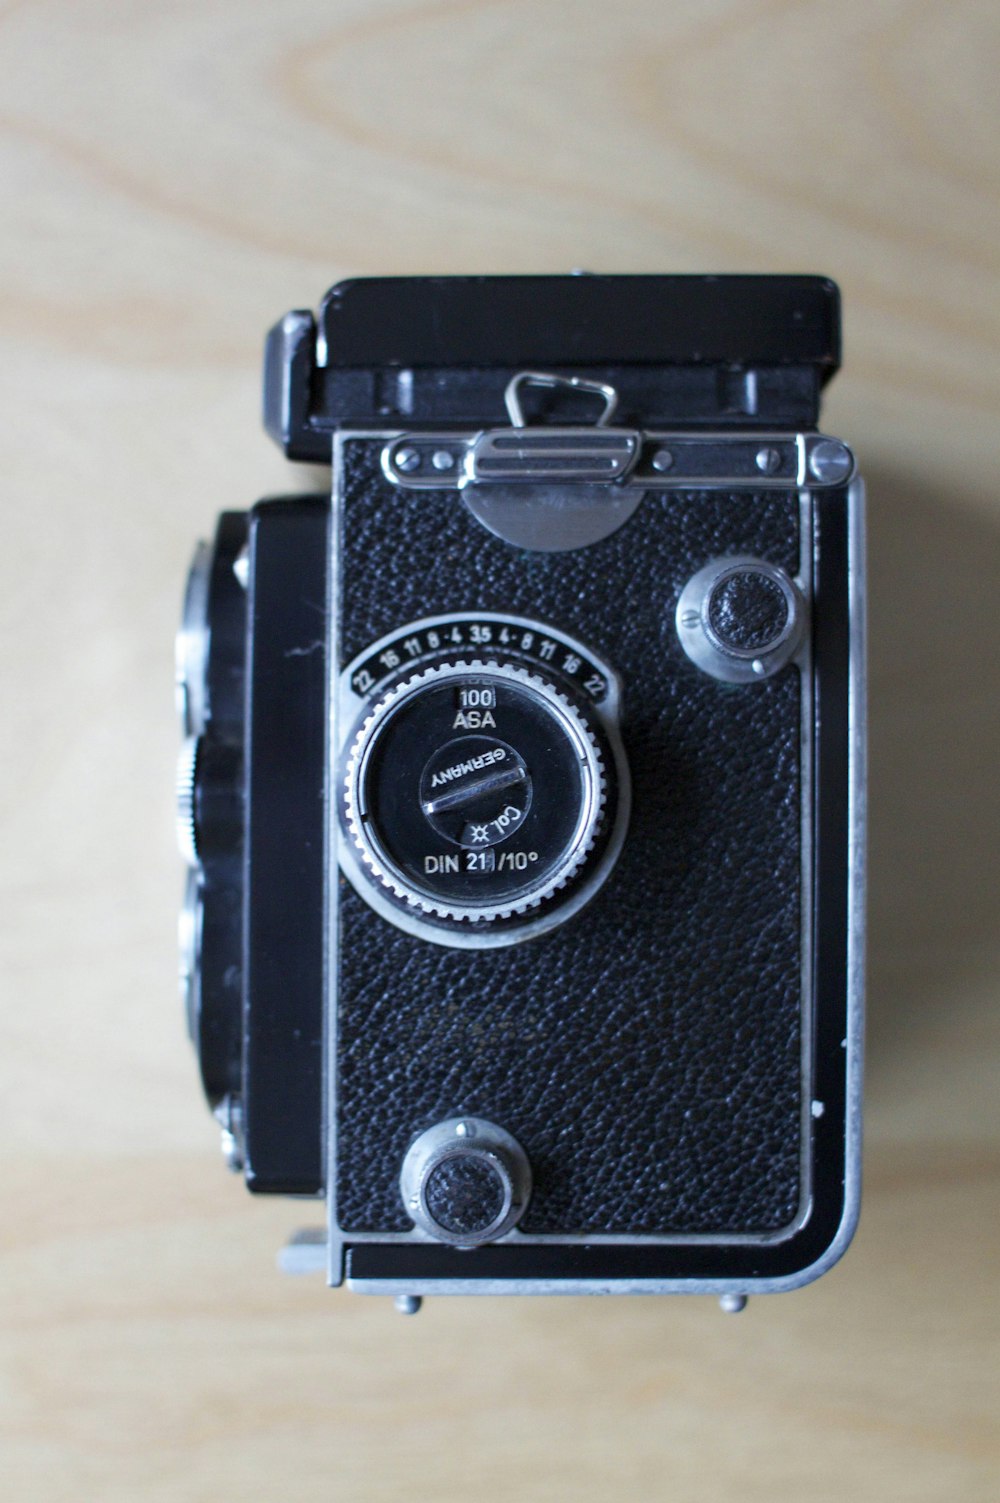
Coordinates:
[732,1304]
[830,461]
[407,460]
[767,460]
[408,1304]
[663,460]
[442,459]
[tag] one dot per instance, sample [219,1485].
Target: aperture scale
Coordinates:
[515,638]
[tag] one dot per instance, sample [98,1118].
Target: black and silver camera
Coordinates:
[523,790]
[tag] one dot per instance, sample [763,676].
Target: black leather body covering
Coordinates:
[647,1054]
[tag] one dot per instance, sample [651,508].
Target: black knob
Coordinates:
[741,619]
[210,800]
[465,1181]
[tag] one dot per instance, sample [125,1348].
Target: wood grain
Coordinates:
[174,177]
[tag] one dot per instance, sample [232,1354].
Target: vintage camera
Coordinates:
[523,790]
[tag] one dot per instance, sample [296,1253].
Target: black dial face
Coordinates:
[476,791]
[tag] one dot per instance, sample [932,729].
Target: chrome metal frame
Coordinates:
[622,457]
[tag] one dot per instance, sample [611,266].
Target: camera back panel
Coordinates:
[647,1054]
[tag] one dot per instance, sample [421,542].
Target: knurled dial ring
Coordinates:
[474,791]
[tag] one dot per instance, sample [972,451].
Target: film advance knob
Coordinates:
[474,791]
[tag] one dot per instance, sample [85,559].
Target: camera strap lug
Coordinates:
[552,382]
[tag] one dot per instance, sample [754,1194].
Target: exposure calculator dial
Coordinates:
[476,791]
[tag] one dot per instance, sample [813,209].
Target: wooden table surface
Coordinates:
[177,175]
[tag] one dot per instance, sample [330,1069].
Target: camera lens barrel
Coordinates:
[210,672]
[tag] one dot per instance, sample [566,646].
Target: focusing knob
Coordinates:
[209,799]
[474,791]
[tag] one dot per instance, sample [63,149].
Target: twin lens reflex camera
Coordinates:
[523,790]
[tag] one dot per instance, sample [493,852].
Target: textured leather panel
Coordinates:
[646,1054]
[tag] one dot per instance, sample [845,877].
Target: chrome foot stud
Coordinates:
[408,1304]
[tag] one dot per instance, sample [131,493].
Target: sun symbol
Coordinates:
[479,835]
